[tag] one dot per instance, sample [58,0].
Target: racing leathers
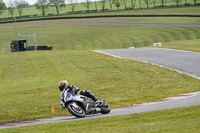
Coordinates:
[76,90]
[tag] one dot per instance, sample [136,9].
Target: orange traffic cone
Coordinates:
[52,109]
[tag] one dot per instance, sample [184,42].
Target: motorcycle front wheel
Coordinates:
[76,110]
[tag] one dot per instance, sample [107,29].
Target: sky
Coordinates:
[31,2]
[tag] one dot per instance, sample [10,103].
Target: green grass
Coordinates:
[81,7]
[160,11]
[192,45]
[181,120]
[28,80]
[28,85]
[97,37]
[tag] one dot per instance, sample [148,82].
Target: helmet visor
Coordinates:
[61,87]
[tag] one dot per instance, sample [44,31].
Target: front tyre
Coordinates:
[76,110]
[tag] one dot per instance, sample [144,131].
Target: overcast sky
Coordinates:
[29,1]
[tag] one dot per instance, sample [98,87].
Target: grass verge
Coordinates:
[178,120]
[192,45]
[28,85]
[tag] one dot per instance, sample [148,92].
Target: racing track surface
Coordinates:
[102,23]
[186,62]
[167,103]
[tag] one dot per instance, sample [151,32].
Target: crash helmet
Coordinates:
[62,84]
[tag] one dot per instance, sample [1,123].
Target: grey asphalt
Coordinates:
[182,61]
[123,23]
[104,23]
[168,103]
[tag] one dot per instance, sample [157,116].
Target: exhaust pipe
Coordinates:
[95,110]
[98,110]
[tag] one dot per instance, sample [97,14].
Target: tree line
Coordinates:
[43,5]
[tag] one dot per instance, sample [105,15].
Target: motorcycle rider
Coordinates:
[63,86]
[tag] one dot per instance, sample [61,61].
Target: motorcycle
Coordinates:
[79,105]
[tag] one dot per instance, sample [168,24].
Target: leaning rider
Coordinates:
[63,86]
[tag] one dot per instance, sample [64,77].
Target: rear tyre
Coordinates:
[76,110]
[105,109]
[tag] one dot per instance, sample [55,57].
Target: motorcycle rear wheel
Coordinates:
[105,109]
[76,110]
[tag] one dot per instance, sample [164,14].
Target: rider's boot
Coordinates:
[88,94]
[92,97]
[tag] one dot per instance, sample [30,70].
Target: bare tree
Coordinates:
[185,2]
[72,5]
[95,5]
[195,2]
[133,3]
[154,3]
[42,5]
[125,3]
[11,7]
[110,4]
[117,4]
[177,2]
[103,3]
[20,5]
[147,3]
[58,4]
[140,3]
[87,3]
[2,6]
[162,3]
